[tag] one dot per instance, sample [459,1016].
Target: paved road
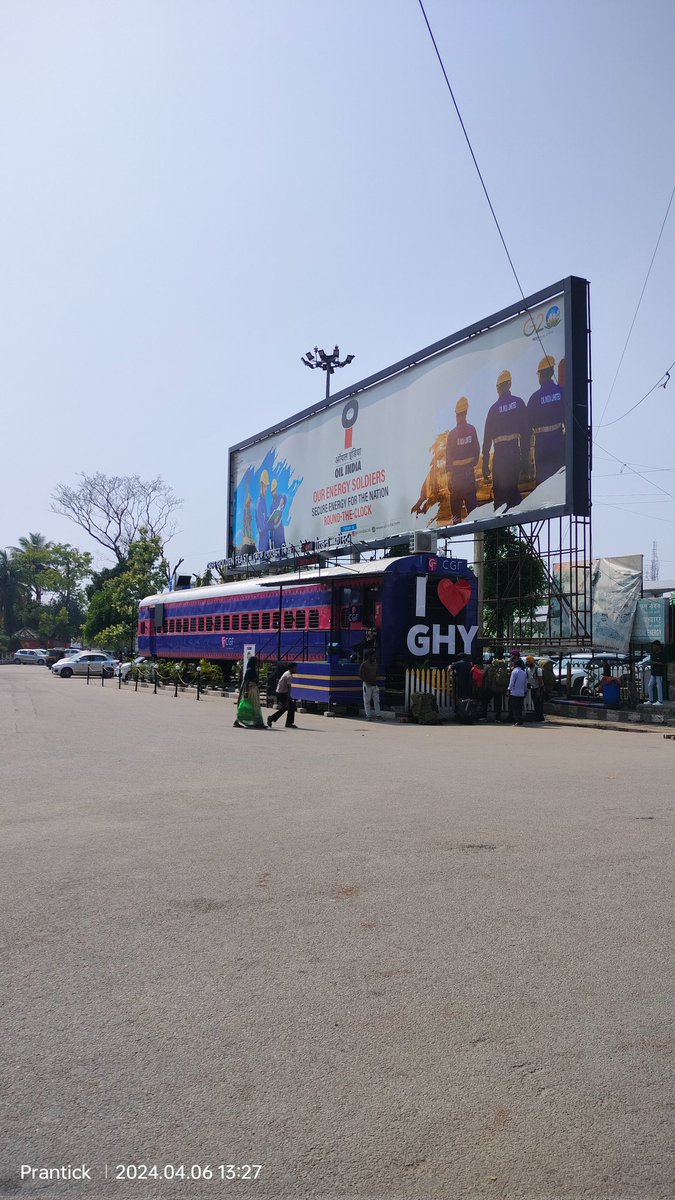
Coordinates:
[385,962]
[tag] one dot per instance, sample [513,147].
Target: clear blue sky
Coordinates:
[196,191]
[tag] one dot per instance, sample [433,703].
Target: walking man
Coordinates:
[371,691]
[285,701]
[517,691]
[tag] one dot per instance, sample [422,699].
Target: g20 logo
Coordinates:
[535,323]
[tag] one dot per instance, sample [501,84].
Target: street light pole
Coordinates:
[326,362]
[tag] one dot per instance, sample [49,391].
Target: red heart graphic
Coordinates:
[454,596]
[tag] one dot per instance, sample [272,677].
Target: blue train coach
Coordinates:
[420,610]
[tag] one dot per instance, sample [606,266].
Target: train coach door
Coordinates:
[155,626]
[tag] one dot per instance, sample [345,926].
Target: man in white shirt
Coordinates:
[285,702]
[518,691]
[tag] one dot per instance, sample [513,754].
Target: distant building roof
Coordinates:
[658,587]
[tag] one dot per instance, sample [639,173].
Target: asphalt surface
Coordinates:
[384,962]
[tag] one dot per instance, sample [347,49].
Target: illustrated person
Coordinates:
[546,414]
[462,454]
[657,672]
[275,523]
[248,541]
[262,514]
[371,690]
[507,428]
[249,712]
[535,682]
[517,691]
[284,698]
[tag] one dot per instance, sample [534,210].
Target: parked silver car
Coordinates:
[31,656]
[94,661]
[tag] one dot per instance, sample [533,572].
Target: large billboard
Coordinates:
[489,427]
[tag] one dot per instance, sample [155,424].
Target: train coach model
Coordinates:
[420,610]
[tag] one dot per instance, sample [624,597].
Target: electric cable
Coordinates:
[665,377]
[658,240]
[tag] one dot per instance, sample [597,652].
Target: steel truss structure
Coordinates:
[535,583]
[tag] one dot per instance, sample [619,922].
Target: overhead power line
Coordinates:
[468,142]
[651,264]
[661,383]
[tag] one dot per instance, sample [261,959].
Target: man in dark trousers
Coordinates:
[285,701]
[517,691]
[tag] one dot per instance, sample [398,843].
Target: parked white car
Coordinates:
[94,661]
[124,669]
[31,656]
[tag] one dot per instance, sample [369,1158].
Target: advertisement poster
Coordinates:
[476,434]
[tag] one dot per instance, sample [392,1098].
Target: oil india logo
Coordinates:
[349,414]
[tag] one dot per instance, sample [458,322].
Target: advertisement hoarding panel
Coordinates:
[487,428]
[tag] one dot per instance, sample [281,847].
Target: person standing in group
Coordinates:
[284,698]
[249,712]
[546,413]
[478,688]
[262,513]
[535,682]
[497,683]
[507,427]
[371,691]
[462,451]
[657,671]
[517,691]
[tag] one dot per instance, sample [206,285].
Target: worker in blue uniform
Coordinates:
[546,412]
[507,429]
[462,454]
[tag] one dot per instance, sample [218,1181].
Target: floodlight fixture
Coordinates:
[326,362]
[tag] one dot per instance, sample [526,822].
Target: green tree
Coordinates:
[114,608]
[62,580]
[13,591]
[515,583]
[32,556]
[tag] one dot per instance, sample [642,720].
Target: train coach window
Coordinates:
[200,624]
[172,626]
[193,624]
[255,620]
[288,619]
[226,621]
[245,621]
[235,620]
[143,626]
[313,618]
[266,620]
[300,618]
[209,624]
[216,624]
[275,620]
